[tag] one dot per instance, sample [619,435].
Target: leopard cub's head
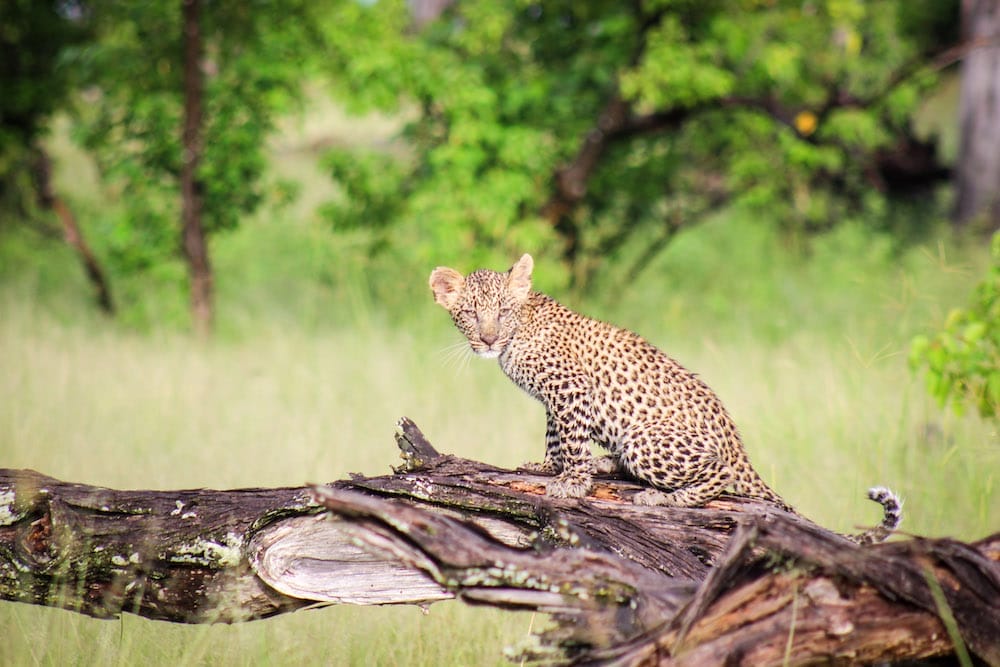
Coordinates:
[485,305]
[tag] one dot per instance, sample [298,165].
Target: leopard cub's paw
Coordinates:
[651,497]
[569,486]
[543,468]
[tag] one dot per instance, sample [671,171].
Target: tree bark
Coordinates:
[977,175]
[49,199]
[195,243]
[736,582]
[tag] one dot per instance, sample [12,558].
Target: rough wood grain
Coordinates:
[736,582]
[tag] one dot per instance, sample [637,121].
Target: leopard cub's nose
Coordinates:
[488,338]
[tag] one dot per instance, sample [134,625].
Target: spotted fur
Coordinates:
[660,423]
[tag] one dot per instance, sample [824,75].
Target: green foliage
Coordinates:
[372,185]
[500,96]
[33,35]
[495,100]
[496,96]
[963,360]
[130,113]
[678,69]
[34,83]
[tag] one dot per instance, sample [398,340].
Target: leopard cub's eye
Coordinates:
[504,313]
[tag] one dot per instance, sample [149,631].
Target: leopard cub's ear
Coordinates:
[519,281]
[447,286]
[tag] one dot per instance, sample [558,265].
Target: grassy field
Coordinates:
[101,406]
[321,349]
[809,357]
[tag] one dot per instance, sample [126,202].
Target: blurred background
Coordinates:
[217,220]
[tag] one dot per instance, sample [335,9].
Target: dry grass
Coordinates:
[99,406]
[308,378]
[90,403]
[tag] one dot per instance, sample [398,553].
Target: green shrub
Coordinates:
[963,360]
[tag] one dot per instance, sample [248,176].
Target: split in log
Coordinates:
[737,581]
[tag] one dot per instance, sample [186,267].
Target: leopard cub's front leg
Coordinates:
[572,483]
[572,451]
[552,464]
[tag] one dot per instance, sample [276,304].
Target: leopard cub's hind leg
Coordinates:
[683,467]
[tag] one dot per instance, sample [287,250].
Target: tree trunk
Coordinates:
[48,199]
[194,240]
[977,182]
[736,582]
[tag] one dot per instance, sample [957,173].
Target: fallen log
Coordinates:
[737,582]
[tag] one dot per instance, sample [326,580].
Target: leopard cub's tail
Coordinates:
[892,516]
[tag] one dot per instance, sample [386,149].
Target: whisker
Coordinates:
[467,357]
[452,349]
[455,355]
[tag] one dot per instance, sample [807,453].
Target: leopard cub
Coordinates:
[660,423]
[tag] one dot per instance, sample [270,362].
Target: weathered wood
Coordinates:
[622,583]
[170,555]
[808,598]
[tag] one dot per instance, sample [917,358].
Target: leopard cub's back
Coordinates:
[630,381]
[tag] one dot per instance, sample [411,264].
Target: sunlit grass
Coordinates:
[823,425]
[824,415]
[92,404]
[449,633]
[105,407]
[321,347]
[310,372]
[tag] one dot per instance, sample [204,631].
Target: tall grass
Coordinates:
[94,404]
[322,347]
[808,356]
[449,634]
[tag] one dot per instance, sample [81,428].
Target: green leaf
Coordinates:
[974,332]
